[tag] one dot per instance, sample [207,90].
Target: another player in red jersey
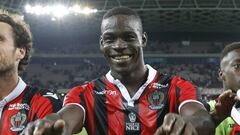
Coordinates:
[132,98]
[19,103]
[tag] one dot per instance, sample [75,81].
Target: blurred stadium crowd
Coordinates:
[61,74]
[165,47]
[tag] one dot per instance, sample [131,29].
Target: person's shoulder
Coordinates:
[182,82]
[179,78]
[87,86]
[42,100]
[40,93]
[174,76]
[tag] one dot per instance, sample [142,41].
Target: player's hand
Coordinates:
[44,127]
[174,124]
[224,104]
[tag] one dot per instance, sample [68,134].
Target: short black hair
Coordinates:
[123,11]
[228,48]
[120,11]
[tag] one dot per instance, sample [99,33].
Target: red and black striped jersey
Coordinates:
[109,109]
[23,105]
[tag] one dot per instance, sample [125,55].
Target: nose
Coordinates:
[120,44]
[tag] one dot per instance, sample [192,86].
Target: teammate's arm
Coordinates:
[193,119]
[67,121]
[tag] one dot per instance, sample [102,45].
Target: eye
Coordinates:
[130,37]
[108,39]
[236,66]
[1,38]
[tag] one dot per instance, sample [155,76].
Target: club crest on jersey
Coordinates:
[132,125]
[155,100]
[17,121]
[158,85]
[132,117]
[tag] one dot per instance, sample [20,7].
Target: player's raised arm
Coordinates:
[191,116]
[67,121]
[193,119]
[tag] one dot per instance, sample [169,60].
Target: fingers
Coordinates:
[44,127]
[167,125]
[174,124]
[226,95]
[40,127]
[178,127]
[189,130]
[159,131]
[28,130]
[226,99]
[58,126]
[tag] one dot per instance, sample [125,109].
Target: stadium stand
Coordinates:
[185,37]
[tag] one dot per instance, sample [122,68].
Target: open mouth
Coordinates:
[122,58]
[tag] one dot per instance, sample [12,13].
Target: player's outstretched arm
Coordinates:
[193,120]
[67,121]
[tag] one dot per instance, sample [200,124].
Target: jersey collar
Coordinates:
[15,93]
[151,75]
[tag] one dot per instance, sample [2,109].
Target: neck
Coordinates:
[8,81]
[133,80]
[132,76]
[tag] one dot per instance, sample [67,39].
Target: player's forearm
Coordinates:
[203,122]
[73,116]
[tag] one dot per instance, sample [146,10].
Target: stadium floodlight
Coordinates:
[76,9]
[87,10]
[53,19]
[28,8]
[46,10]
[58,10]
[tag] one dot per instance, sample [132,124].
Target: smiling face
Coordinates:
[230,70]
[121,43]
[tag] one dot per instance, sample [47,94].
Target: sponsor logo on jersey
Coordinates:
[17,122]
[132,125]
[108,92]
[18,106]
[158,85]
[155,99]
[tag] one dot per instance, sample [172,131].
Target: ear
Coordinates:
[101,43]
[20,53]
[144,39]
[221,75]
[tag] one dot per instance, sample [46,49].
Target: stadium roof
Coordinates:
[164,15]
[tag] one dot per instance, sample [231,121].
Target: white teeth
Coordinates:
[121,57]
